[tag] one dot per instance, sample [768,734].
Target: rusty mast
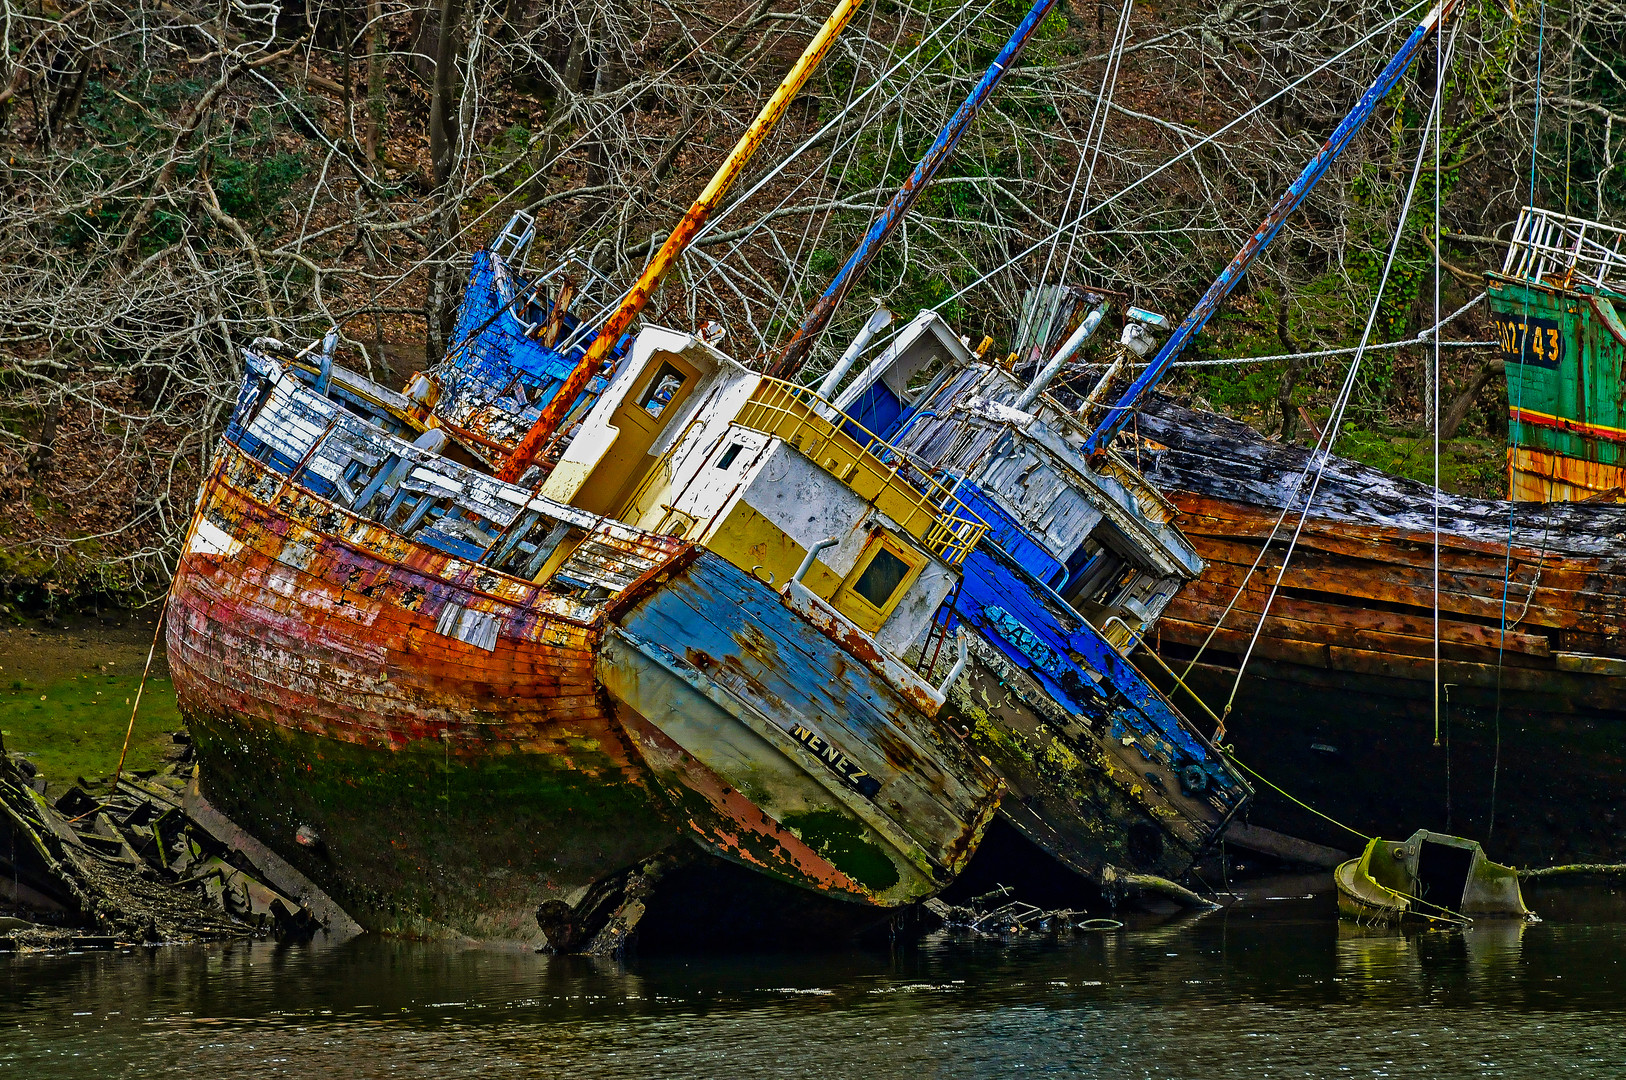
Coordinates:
[559,407]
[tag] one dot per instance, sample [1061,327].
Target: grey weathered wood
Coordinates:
[1224,459]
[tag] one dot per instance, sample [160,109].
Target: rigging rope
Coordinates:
[1434,372]
[1335,420]
[722,214]
[1292,798]
[1116,65]
[847,142]
[1237,596]
[1507,565]
[1095,131]
[1407,16]
[594,128]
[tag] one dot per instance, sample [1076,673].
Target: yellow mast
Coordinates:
[554,413]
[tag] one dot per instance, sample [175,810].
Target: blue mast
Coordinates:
[818,317]
[1118,415]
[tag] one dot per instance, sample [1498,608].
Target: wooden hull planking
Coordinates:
[1341,684]
[452,788]
[786,753]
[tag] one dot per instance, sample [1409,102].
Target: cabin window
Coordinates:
[881,578]
[878,581]
[729,455]
[662,388]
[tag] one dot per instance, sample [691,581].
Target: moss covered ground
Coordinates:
[66,696]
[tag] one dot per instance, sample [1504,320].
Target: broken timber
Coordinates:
[149,863]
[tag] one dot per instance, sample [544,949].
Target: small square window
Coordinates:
[878,581]
[729,455]
[881,578]
[662,389]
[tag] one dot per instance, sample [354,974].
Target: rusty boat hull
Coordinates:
[783,750]
[1341,685]
[442,789]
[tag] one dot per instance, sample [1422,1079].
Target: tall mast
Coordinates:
[801,342]
[1262,236]
[556,409]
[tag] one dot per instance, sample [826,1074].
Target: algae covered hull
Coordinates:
[1430,876]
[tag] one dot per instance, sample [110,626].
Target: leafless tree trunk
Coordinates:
[377,106]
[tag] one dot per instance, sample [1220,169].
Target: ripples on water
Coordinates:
[1266,989]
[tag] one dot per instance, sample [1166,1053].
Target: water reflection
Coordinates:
[1378,962]
[1267,988]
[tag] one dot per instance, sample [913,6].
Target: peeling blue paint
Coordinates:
[1039,633]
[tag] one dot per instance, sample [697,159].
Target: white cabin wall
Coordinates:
[809,505]
[912,618]
[688,483]
[925,339]
[597,435]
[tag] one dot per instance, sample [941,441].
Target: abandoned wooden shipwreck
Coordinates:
[1522,715]
[492,650]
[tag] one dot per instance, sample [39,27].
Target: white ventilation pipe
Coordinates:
[872,326]
[959,665]
[812,554]
[1063,354]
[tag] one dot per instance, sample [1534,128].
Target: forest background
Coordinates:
[183,176]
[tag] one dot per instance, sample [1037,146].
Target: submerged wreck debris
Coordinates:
[1429,876]
[1125,885]
[986,916]
[148,863]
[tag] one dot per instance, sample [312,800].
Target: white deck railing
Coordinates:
[1557,249]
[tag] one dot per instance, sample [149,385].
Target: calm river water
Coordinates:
[1268,988]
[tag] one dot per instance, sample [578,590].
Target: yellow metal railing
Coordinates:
[865,463]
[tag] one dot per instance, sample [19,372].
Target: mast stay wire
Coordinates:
[1434,373]
[533,175]
[1341,403]
[711,223]
[796,273]
[717,265]
[790,284]
[1116,65]
[723,213]
[835,121]
[778,168]
[845,142]
[1119,35]
[1237,596]
[1507,564]
[1182,155]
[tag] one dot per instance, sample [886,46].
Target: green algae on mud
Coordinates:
[65,704]
[421,841]
[843,841]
